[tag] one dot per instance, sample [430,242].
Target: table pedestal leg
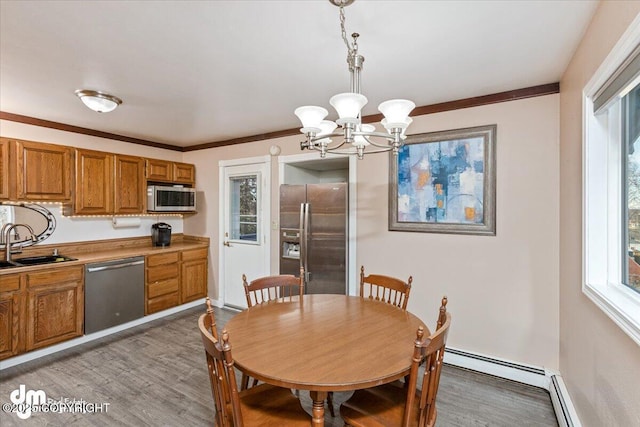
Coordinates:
[317,411]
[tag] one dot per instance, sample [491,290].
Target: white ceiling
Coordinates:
[192,72]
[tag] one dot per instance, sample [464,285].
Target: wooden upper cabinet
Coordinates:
[173,172]
[108,183]
[129,185]
[94,182]
[4,169]
[43,171]
[159,170]
[184,173]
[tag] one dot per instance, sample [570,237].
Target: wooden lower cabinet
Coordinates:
[193,280]
[162,281]
[175,278]
[11,316]
[40,308]
[55,306]
[45,307]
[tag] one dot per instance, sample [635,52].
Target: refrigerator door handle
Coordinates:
[305,239]
[303,248]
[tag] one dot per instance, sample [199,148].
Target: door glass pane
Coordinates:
[243,215]
[631,149]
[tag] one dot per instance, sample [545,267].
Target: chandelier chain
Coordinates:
[350,49]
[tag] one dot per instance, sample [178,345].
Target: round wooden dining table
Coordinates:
[324,343]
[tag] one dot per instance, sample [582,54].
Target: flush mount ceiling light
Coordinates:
[98,101]
[349,108]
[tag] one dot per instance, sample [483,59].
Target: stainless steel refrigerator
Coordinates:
[313,234]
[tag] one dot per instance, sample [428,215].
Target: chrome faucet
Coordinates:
[6,236]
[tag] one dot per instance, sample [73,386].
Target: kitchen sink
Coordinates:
[35,260]
[5,264]
[44,259]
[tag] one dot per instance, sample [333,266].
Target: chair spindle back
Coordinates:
[273,288]
[385,288]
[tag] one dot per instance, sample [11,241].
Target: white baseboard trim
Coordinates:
[36,354]
[526,374]
[220,304]
[562,404]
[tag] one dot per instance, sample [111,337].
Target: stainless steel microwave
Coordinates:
[161,198]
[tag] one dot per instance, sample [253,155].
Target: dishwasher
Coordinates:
[113,293]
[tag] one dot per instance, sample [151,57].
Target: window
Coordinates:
[630,125]
[244,208]
[611,185]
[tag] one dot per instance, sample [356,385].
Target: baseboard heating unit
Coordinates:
[526,374]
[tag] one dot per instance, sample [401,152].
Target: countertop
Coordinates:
[86,257]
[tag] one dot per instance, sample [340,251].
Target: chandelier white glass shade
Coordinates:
[99,102]
[348,105]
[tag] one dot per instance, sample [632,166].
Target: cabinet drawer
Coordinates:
[195,254]
[162,272]
[162,287]
[55,276]
[160,259]
[10,283]
[162,303]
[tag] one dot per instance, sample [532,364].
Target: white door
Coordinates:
[245,207]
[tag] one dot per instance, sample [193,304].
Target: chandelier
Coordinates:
[348,105]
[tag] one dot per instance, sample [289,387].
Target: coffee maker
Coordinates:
[161,234]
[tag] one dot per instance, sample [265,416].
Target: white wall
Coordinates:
[600,364]
[76,229]
[503,290]
[70,229]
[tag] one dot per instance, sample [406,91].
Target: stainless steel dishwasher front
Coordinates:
[113,293]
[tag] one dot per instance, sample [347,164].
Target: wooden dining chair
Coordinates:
[263,405]
[399,404]
[273,288]
[384,288]
[210,319]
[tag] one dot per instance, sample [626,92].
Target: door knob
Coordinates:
[227,244]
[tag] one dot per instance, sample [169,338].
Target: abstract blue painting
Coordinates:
[443,178]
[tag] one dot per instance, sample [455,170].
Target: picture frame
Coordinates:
[445,182]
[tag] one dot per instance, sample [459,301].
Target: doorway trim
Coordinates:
[266,214]
[352,274]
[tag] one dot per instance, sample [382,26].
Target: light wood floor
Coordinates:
[155,375]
